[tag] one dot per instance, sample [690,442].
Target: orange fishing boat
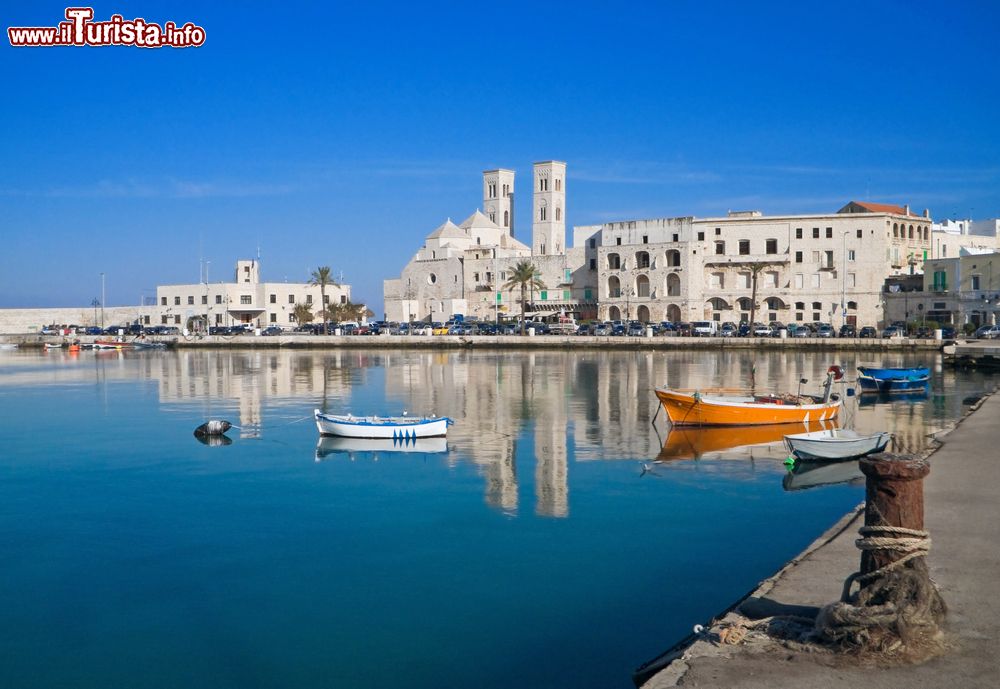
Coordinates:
[709,409]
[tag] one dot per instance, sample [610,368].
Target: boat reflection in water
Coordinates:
[333,445]
[812,474]
[214,440]
[869,399]
[691,443]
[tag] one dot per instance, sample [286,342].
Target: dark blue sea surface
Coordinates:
[542,547]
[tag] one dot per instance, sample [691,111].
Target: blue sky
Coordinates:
[341,133]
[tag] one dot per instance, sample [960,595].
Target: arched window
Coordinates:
[642,286]
[642,314]
[614,262]
[744,303]
[642,259]
[506,218]
[852,306]
[558,213]
[614,286]
[911,231]
[774,303]
[673,258]
[673,285]
[541,213]
[895,230]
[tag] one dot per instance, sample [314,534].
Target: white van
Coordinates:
[704,328]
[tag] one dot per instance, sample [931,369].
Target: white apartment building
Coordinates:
[245,300]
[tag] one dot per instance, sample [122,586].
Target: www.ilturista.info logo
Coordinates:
[80,29]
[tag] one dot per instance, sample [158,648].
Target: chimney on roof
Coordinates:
[907,208]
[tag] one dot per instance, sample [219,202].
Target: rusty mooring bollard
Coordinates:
[898,611]
[894,497]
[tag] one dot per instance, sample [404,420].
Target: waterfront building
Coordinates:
[246,300]
[959,291]
[952,238]
[827,267]
[462,269]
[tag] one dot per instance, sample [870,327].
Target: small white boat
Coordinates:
[8,346]
[392,427]
[50,345]
[835,443]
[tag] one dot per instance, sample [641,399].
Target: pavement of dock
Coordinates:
[962,513]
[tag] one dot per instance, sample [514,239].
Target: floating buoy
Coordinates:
[212,428]
[789,461]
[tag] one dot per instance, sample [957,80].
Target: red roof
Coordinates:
[880,207]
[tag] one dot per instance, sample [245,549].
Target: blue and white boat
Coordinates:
[892,379]
[389,428]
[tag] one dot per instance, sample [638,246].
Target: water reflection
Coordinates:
[691,443]
[355,447]
[812,474]
[519,415]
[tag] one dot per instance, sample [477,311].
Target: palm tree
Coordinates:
[524,276]
[321,278]
[302,313]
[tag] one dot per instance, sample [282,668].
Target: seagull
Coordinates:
[646,470]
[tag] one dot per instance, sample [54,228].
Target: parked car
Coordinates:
[602,329]
[271,330]
[728,330]
[636,329]
[868,332]
[948,332]
[847,330]
[761,330]
[666,328]
[802,330]
[989,332]
[893,331]
[704,328]
[776,328]
[824,330]
[683,329]
[618,330]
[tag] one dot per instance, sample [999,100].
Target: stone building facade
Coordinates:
[827,267]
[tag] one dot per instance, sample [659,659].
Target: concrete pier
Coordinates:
[961,512]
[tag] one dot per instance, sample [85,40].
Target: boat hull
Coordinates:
[685,409]
[892,379]
[835,444]
[371,427]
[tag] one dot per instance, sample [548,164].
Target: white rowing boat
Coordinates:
[391,427]
[835,443]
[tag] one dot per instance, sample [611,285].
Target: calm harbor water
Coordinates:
[530,549]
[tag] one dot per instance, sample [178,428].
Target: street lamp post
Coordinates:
[102,301]
[843,288]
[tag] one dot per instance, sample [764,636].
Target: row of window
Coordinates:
[492,190]
[770,247]
[247,299]
[642,260]
[900,231]
[543,184]
[543,214]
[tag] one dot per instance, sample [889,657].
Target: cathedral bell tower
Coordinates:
[548,228]
[498,198]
